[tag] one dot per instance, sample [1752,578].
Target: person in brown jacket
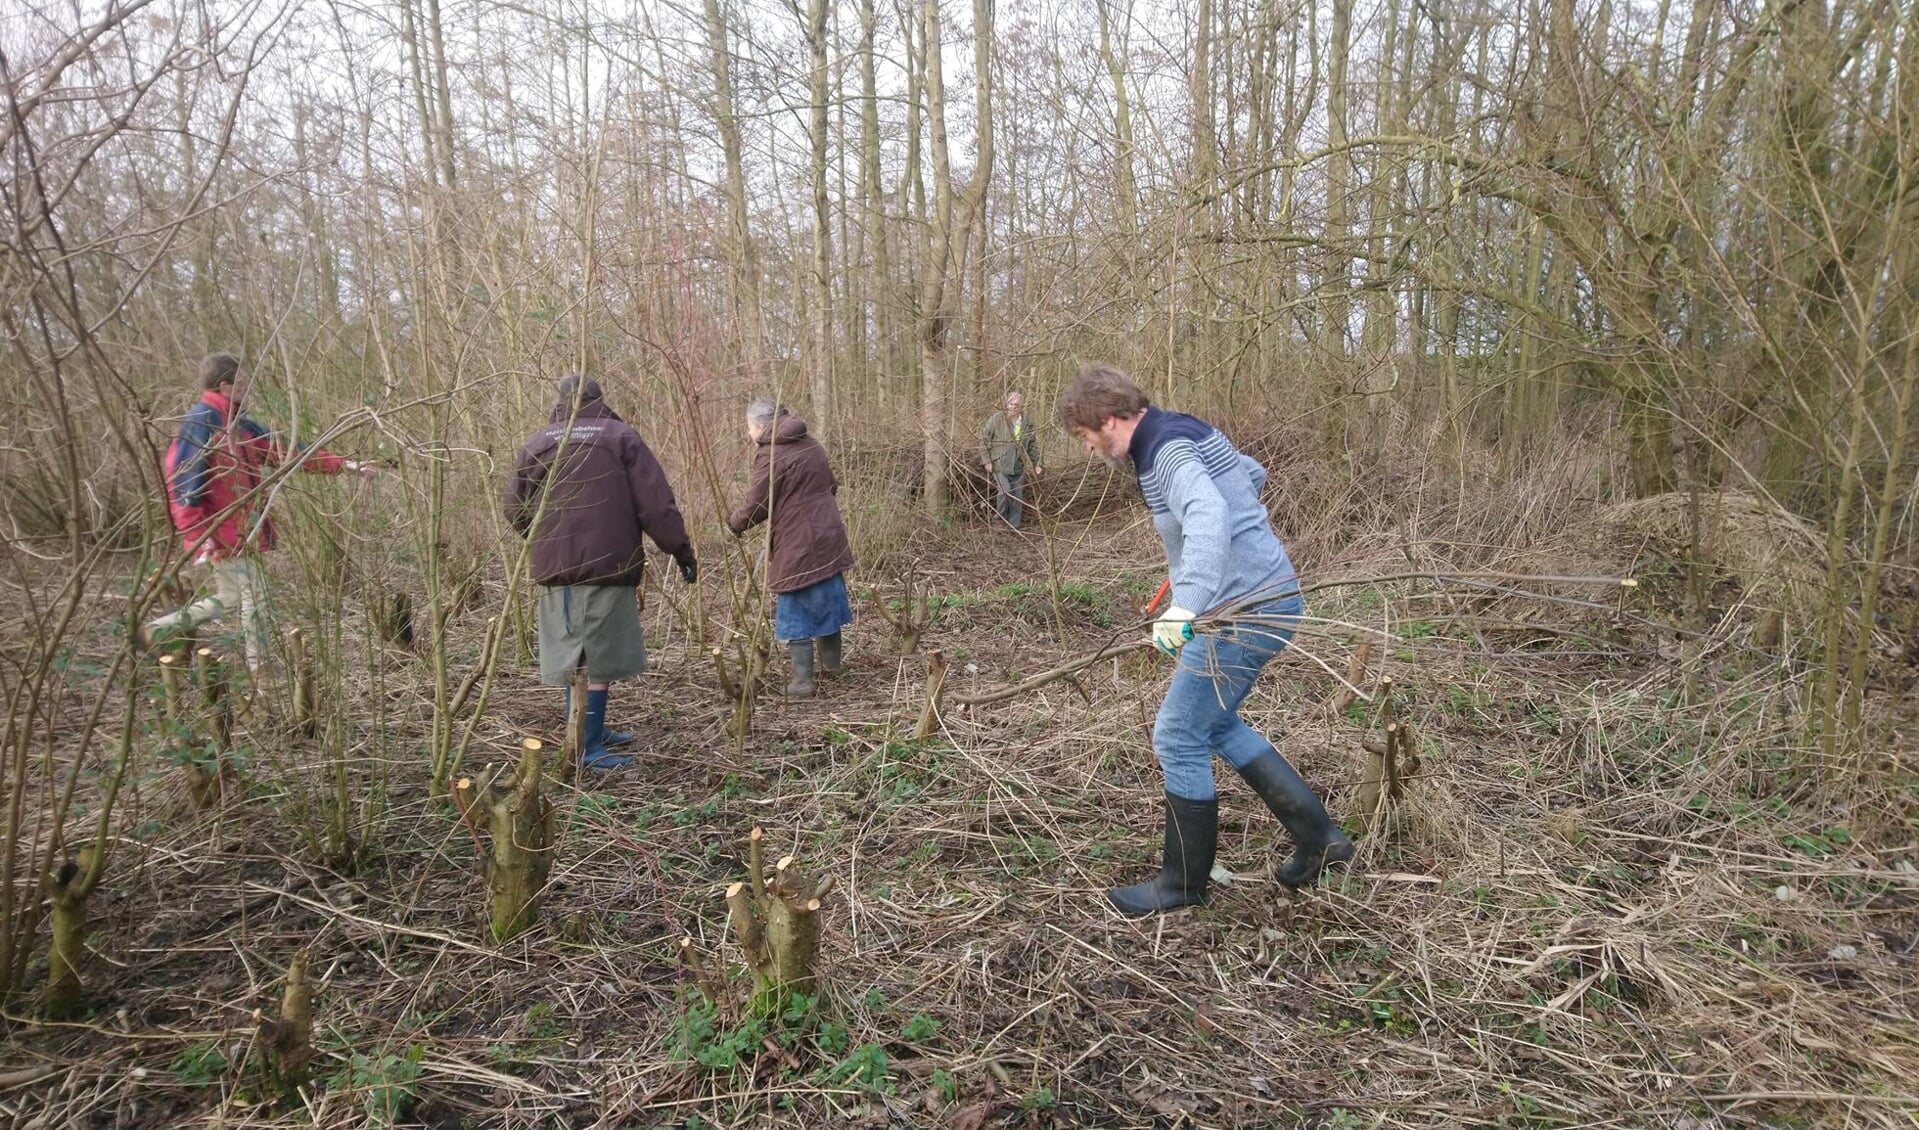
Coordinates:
[794,491]
[584,489]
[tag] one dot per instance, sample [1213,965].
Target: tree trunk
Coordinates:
[820,336]
[313,218]
[879,286]
[1125,190]
[1648,421]
[1334,279]
[742,255]
[442,91]
[933,284]
[953,215]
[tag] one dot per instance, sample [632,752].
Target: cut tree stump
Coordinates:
[204,753]
[287,1042]
[754,660]
[304,710]
[915,614]
[393,618]
[935,687]
[1388,763]
[518,819]
[776,921]
[729,689]
[1355,671]
[67,891]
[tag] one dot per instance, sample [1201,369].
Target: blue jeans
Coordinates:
[1200,716]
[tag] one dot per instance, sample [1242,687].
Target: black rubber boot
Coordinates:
[830,654]
[801,653]
[1192,837]
[1317,841]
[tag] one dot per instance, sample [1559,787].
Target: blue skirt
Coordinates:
[819,609]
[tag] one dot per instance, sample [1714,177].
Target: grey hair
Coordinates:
[576,385]
[1011,393]
[763,411]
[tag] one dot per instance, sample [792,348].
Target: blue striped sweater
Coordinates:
[1204,497]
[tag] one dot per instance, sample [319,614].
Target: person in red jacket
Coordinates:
[583,491]
[213,474]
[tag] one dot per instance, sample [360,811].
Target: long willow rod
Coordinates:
[1232,615]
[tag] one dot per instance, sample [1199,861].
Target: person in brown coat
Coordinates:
[585,488]
[794,491]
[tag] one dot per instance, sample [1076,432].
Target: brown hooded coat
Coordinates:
[793,485]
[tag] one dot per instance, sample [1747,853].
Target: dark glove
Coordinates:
[689,570]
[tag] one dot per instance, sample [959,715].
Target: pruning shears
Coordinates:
[1159,598]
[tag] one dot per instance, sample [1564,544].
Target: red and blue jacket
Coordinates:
[213,473]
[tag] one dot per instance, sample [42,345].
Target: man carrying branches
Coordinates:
[1222,555]
[213,474]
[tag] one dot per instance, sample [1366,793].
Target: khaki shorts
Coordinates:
[592,626]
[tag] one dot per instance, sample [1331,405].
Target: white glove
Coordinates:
[1173,628]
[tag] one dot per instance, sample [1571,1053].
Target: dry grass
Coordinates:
[1602,905]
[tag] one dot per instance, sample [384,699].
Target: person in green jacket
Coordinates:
[1009,447]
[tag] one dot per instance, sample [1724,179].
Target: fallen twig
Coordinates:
[1064,670]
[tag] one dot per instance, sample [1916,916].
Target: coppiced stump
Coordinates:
[286,1043]
[776,922]
[935,687]
[67,891]
[755,656]
[173,691]
[518,819]
[1389,761]
[393,618]
[303,707]
[216,693]
[207,770]
[1355,671]
[916,612]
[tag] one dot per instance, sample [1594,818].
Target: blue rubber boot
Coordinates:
[613,738]
[595,755]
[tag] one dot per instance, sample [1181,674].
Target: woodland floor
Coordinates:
[1605,902]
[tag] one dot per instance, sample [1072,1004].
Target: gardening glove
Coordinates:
[689,569]
[1172,630]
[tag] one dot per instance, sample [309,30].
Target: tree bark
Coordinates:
[879,285]
[953,214]
[742,254]
[820,329]
[1125,190]
[1334,280]
[67,891]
